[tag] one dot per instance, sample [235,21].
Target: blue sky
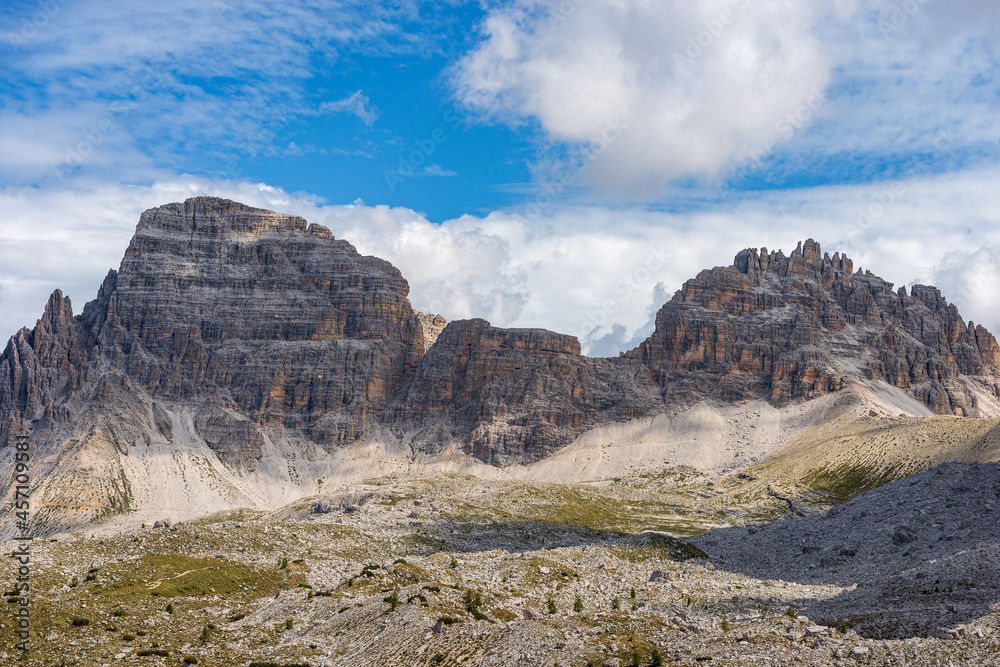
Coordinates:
[519,161]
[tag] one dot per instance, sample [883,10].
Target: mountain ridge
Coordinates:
[263,351]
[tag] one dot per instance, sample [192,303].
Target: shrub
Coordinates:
[74,582]
[432,588]
[616,603]
[552,606]
[657,658]
[206,635]
[636,659]
[473,600]
[282,563]
[79,622]
[118,613]
[448,620]
[127,638]
[454,562]
[237,617]
[393,599]
[170,608]
[791,612]
[725,625]
[578,604]
[289,623]
[190,660]
[632,593]
[399,561]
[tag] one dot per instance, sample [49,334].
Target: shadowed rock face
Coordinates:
[517,395]
[795,327]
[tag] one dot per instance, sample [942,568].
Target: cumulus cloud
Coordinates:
[972,277]
[699,86]
[705,86]
[597,272]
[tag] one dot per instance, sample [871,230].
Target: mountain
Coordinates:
[241,357]
[797,327]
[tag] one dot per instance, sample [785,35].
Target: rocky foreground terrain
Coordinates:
[458,571]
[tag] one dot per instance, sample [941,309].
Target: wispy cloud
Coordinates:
[356,104]
[120,88]
[438,170]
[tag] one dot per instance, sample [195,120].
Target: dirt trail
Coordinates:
[156,583]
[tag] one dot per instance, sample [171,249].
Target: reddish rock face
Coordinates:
[516,395]
[790,328]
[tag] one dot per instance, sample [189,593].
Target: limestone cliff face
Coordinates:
[516,395]
[791,328]
[231,311]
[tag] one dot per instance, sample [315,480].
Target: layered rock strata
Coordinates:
[791,328]
[516,395]
[249,318]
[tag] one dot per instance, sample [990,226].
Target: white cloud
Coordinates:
[972,277]
[356,104]
[700,85]
[596,272]
[437,170]
[704,86]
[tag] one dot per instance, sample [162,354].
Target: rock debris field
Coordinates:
[453,570]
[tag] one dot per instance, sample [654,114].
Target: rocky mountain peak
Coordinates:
[807,259]
[214,216]
[797,326]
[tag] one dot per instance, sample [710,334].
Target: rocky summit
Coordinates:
[240,357]
[800,326]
